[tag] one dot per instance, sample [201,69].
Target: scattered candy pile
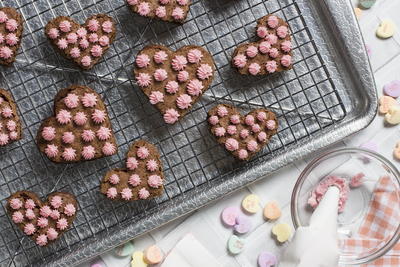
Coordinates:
[238,219]
[150,256]
[390,108]
[388,104]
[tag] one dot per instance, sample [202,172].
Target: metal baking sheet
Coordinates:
[329,94]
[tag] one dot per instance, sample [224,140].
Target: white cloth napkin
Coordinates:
[189,252]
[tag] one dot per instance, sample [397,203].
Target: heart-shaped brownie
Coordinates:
[167,10]
[11,27]
[242,136]
[174,81]
[10,124]
[84,44]
[143,177]
[44,222]
[80,129]
[273,53]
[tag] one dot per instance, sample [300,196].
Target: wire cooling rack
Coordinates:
[304,99]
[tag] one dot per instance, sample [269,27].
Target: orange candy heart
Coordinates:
[272,211]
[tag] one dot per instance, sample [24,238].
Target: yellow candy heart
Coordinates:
[386,29]
[272,211]
[393,115]
[251,203]
[386,102]
[138,259]
[282,231]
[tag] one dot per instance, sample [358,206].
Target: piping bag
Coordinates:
[316,245]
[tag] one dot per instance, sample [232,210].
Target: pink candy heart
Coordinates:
[229,215]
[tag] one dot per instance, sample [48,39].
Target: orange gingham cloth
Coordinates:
[381,221]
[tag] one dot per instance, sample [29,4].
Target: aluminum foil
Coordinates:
[329,94]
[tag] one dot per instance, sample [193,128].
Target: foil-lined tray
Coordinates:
[328,95]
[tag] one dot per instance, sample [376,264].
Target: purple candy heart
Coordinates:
[266,259]
[243,224]
[392,89]
[229,215]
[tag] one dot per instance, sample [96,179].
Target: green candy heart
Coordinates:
[367,3]
[124,250]
[235,244]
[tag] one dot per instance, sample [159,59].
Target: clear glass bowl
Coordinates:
[346,163]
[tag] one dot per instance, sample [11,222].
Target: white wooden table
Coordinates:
[205,223]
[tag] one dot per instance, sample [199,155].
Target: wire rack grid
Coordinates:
[304,99]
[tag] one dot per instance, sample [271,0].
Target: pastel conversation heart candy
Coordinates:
[229,215]
[235,244]
[282,232]
[367,3]
[83,44]
[98,263]
[251,203]
[242,136]
[143,177]
[386,29]
[243,224]
[43,222]
[138,259]
[166,10]
[393,115]
[124,250]
[266,259]
[270,54]
[11,27]
[272,211]
[174,80]
[392,89]
[386,102]
[358,12]
[153,255]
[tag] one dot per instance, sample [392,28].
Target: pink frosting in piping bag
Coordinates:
[320,190]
